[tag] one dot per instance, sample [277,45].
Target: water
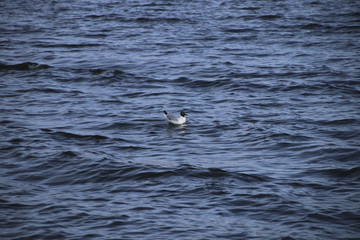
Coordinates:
[270,149]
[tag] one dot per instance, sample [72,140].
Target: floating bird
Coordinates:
[176,120]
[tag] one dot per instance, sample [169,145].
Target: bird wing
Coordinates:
[172,118]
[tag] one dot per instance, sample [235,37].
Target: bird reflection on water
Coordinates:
[176,130]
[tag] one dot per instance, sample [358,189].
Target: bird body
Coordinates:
[176,120]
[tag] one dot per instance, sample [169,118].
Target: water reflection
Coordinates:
[176,130]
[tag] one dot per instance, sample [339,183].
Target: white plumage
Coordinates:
[176,120]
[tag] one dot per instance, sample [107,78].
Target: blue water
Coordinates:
[270,149]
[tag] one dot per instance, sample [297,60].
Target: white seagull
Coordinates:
[176,120]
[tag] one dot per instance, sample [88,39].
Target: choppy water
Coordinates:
[270,149]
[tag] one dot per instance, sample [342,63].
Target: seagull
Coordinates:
[176,120]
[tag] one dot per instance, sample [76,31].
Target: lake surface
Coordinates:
[270,150]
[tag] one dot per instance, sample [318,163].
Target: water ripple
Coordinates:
[269,150]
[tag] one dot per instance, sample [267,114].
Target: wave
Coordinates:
[47,90]
[337,122]
[68,135]
[343,174]
[312,26]
[239,30]
[23,66]
[270,17]
[119,18]
[161,19]
[132,172]
[241,81]
[68,45]
[117,125]
[183,81]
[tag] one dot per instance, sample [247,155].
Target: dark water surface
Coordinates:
[271,149]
